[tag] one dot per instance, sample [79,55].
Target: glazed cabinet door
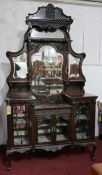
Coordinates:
[84,121]
[19,125]
[62,127]
[52,126]
[43,127]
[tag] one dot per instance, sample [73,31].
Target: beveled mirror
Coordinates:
[20,66]
[73,67]
[47,71]
[42,34]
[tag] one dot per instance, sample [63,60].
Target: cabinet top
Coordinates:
[13,97]
[48,18]
[85,96]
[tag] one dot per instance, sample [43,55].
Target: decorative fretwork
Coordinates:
[49,17]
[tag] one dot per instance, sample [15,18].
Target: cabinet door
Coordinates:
[43,128]
[21,125]
[84,122]
[53,126]
[62,127]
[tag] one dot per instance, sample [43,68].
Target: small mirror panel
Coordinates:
[73,67]
[47,71]
[36,34]
[20,66]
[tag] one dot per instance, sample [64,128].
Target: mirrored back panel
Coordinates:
[36,34]
[47,71]
[73,67]
[20,66]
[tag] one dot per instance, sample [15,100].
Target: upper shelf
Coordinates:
[50,18]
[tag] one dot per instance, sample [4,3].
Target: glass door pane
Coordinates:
[82,123]
[44,129]
[21,125]
[62,127]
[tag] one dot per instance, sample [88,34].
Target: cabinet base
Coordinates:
[52,148]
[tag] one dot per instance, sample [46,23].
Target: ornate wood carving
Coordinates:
[49,18]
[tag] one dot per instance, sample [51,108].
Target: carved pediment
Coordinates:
[49,17]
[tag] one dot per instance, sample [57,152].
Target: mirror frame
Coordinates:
[11,56]
[52,80]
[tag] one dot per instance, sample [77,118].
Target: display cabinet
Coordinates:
[20,125]
[48,106]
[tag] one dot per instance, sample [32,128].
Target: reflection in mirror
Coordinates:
[36,34]
[20,66]
[47,71]
[73,67]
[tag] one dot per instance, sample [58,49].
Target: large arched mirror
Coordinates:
[47,71]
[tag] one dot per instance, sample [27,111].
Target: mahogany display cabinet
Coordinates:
[48,106]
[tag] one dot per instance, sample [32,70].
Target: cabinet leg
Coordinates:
[93,152]
[6,162]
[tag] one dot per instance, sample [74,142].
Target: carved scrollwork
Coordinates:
[33,47]
[62,47]
[53,18]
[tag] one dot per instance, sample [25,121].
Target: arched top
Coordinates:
[49,17]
